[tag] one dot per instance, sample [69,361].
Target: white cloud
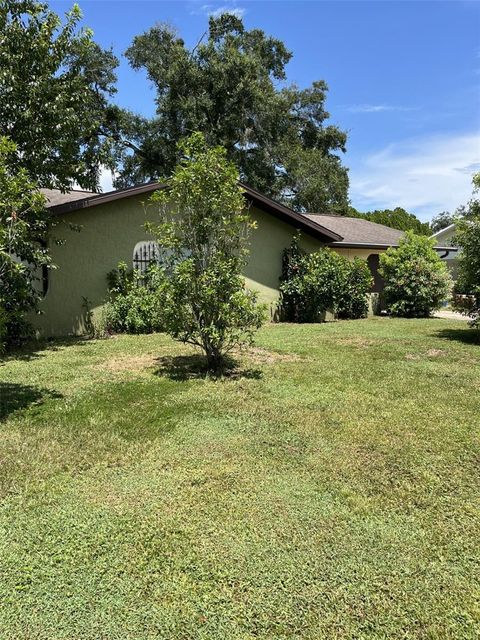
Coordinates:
[212,9]
[424,175]
[376,108]
[234,11]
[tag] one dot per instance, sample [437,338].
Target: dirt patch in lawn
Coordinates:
[431,353]
[435,353]
[263,356]
[194,362]
[357,341]
[128,363]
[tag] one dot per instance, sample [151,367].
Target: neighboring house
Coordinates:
[446,239]
[100,230]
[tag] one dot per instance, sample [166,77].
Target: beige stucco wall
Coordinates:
[108,235]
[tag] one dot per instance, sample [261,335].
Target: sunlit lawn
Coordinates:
[327,489]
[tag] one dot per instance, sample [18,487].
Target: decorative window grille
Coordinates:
[145,254]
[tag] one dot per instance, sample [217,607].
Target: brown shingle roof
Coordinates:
[335,231]
[77,200]
[56,198]
[356,231]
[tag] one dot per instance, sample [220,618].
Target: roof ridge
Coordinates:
[266,203]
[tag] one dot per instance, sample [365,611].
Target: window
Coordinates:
[144,254]
[373,262]
[39,275]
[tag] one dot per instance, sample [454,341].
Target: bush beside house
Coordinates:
[135,302]
[416,279]
[468,282]
[24,225]
[314,283]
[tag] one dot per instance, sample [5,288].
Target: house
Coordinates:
[446,238]
[97,231]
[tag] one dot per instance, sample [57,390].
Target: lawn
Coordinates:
[327,489]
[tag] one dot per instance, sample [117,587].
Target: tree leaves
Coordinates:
[54,88]
[230,87]
[202,235]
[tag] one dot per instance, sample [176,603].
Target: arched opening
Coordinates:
[373,262]
[144,254]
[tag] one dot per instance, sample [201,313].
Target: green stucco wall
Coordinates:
[108,235]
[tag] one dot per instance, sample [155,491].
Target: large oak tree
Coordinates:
[231,87]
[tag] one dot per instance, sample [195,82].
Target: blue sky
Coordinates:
[404,80]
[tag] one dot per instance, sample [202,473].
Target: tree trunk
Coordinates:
[215,360]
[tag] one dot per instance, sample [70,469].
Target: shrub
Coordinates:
[136,301]
[313,283]
[203,233]
[353,297]
[468,239]
[416,279]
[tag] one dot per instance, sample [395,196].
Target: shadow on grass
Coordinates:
[32,349]
[467,336]
[14,397]
[194,367]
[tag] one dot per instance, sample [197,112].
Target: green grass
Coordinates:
[329,489]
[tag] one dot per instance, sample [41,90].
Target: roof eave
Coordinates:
[286,214]
[362,245]
[277,209]
[104,198]
[369,245]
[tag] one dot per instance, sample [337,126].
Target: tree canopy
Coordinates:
[462,212]
[231,87]
[55,83]
[397,218]
[441,221]
[24,225]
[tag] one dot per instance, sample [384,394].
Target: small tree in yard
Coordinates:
[24,224]
[416,279]
[468,239]
[203,235]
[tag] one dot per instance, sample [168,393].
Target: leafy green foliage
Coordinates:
[3,326]
[468,239]
[313,283]
[396,218]
[441,221]
[462,212]
[54,88]
[227,87]
[135,302]
[352,301]
[203,234]
[24,225]
[416,279]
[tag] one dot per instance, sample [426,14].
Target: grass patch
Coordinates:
[326,488]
